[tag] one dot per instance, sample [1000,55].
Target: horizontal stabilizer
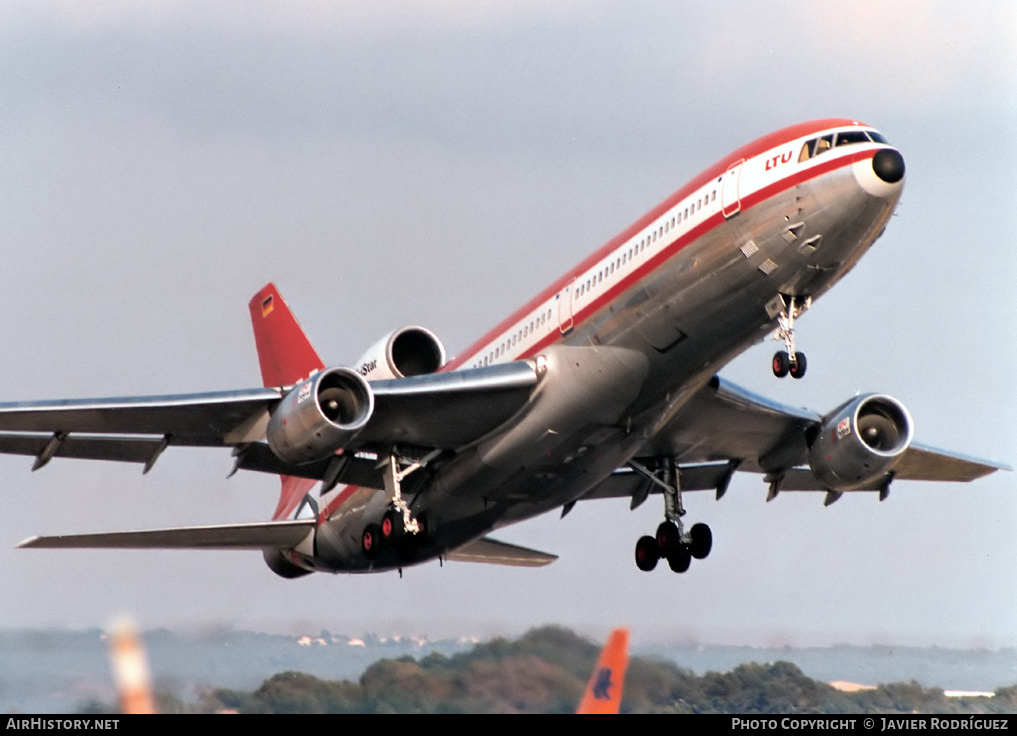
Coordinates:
[494,552]
[258,535]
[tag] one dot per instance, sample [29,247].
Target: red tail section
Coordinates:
[604,691]
[285,353]
[286,356]
[293,491]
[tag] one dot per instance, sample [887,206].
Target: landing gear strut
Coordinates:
[671,542]
[399,527]
[787,360]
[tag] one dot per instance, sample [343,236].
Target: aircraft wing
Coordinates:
[196,419]
[725,428]
[436,411]
[494,552]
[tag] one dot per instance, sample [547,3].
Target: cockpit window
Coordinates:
[847,137]
[816,146]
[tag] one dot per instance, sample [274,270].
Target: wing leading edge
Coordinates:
[437,411]
[724,428]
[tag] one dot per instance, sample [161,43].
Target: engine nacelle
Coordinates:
[320,415]
[860,441]
[410,351]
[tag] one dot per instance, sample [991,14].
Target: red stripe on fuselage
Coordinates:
[747,152]
[666,253]
[694,234]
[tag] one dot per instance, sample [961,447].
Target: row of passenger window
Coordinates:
[539,320]
[810,149]
[821,145]
[584,287]
[637,248]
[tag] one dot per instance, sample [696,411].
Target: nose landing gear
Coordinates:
[787,360]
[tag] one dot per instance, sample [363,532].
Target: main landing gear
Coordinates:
[788,361]
[671,542]
[392,533]
[399,528]
[671,545]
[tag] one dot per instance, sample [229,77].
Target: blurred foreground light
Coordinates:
[130,670]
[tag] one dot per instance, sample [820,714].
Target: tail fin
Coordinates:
[284,352]
[604,691]
[293,491]
[286,356]
[130,668]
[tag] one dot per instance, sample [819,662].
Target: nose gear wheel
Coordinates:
[788,360]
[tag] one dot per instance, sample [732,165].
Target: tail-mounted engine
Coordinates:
[320,415]
[860,442]
[410,351]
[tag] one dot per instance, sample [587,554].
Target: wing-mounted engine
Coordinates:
[860,441]
[320,415]
[410,351]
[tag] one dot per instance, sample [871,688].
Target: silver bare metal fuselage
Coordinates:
[630,363]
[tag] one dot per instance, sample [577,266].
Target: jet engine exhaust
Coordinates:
[409,351]
[879,431]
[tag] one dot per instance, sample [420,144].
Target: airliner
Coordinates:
[604,385]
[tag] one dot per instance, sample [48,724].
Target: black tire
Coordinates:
[781,363]
[702,541]
[668,538]
[798,369]
[370,541]
[647,553]
[680,560]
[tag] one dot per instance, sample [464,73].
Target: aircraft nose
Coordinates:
[888,165]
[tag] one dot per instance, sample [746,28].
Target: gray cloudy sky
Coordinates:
[438,164]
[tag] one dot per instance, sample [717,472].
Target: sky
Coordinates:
[438,164]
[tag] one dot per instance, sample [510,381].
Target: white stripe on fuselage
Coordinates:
[695,215]
[586,292]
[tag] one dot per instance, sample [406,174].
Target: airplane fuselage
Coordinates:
[635,330]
